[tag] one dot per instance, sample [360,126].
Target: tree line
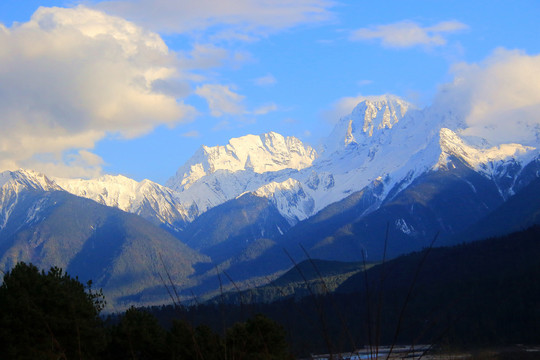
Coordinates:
[480,294]
[51,315]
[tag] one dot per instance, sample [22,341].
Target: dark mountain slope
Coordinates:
[226,230]
[481,292]
[122,253]
[478,294]
[444,201]
[519,212]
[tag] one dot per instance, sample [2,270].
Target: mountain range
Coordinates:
[387,180]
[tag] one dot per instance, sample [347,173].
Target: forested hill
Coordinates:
[475,294]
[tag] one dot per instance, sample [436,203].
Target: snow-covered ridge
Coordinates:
[269,152]
[12,183]
[290,199]
[477,158]
[26,179]
[383,142]
[142,198]
[118,191]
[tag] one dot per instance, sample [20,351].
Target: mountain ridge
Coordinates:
[386,168]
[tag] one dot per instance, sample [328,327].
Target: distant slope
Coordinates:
[310,277]
[518,212]
[479,294]
[121,252]
[228,229]
[444,201]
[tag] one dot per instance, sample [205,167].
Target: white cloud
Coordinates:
[236,19]
[406,34]
[69,77]
[221,99]
[266,80]
[499,99]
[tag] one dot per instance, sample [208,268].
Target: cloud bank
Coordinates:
[405,34]
[70,77]
[499,98]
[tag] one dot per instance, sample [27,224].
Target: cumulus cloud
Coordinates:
[70,77]
[237,19]
[499,98]
[406,34]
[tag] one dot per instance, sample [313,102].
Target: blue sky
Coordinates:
[135,87]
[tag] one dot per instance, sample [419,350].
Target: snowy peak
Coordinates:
[118,191]
[269,152]
[369,118]
[27,180]
[290,199]
[480,158]
[146,198]
[379,113]
[15,183]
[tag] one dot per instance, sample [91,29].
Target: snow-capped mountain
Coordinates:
[387,165]
[152,201]
[373,116]
[384,140]
[13,184]
[217,174]
[266,153]
[47,226]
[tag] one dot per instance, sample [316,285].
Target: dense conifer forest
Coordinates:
[476,295]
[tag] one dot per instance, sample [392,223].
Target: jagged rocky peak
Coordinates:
[368,118]
[268,152]
[378,113]
[27,179]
